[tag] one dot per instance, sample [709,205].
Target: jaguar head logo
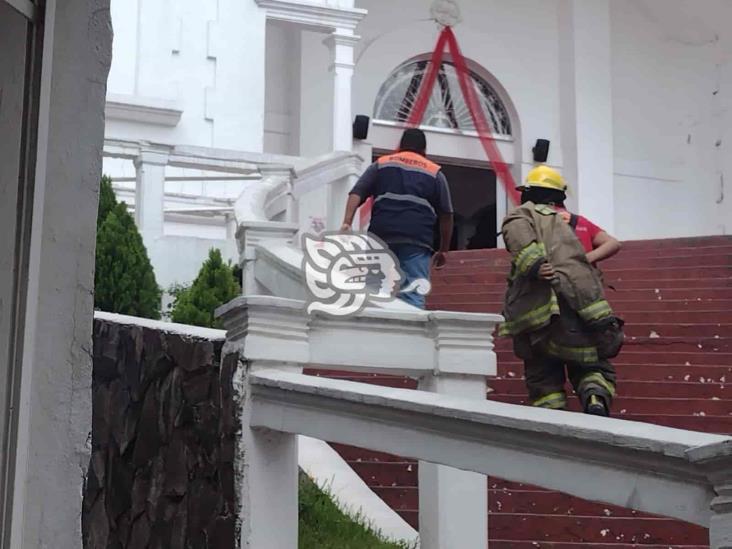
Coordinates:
[343,272]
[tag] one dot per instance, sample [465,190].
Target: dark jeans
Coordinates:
[415,264]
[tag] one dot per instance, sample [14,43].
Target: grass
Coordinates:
[324,526]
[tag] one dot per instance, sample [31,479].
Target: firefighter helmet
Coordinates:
[545,177]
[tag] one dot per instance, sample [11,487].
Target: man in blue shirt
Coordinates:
[410,195]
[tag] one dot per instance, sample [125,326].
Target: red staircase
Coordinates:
[675,370]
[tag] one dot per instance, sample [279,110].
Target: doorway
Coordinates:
[473,193]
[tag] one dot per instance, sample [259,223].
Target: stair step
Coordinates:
[665,345]
[630,356]
[654,389]
[622,263]
[651,305]
[646,406]
[501,258]
[352,453]
[692,241]
[532,527]
[648,372]
[498,284]
[506,544]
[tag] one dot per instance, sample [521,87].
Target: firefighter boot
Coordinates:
[595,406]
[596,392]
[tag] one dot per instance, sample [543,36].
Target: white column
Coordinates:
[341,44]
[586,108]
[273,485]
[266,337]
[453,504]
[150,195]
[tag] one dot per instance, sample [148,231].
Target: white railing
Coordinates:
[449,353]
[287,193]
[453,429]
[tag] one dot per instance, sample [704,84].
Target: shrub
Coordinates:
[124,280]
[214,286]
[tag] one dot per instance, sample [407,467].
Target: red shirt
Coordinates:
[586,230]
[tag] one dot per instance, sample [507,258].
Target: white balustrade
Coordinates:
[449,352]
[668,472]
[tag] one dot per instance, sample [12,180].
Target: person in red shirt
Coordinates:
[598,244]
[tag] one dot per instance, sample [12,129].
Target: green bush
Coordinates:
[323,526]
[124,280]
[107,200]
[214,286]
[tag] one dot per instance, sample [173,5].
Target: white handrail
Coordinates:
[633,465]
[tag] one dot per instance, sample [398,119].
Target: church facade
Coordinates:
[634,97]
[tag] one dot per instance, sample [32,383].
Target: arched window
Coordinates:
[447,108]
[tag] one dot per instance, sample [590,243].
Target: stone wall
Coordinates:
[162,471]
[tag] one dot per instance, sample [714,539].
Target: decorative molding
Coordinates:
[209,102]
[312,14]
[153,157]
[213,40]
[416,343]
[146,110]
[446,12]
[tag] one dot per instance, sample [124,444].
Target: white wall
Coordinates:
[204,56]
[282,98]
[210,60]
[514,41]
[667,118]
[316,96]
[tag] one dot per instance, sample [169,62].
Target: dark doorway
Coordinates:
[473,193]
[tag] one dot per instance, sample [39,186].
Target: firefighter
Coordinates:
[555,307]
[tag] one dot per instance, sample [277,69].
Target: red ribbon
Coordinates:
[482,126]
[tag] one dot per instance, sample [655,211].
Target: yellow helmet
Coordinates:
[546,177]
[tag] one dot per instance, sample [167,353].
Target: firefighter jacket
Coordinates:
[568,318]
